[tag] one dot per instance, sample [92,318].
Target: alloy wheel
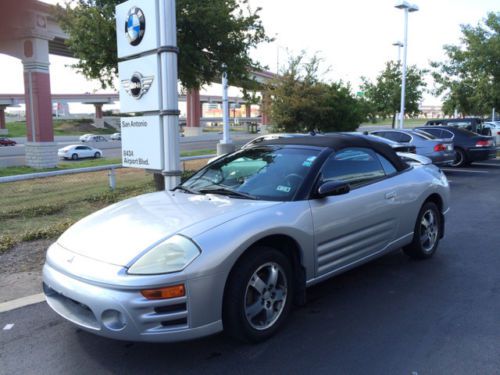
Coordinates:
[265,296]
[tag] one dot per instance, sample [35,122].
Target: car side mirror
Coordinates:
[329,188]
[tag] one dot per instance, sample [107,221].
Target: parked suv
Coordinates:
[473,124]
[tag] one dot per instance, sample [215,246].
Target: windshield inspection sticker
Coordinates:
[309,161]
[285,189]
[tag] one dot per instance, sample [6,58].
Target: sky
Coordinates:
[354,38]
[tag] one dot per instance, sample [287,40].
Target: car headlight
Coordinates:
[171,255]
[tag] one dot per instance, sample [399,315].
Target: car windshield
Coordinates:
[265,173]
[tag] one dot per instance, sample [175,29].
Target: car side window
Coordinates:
[380,134]
[393,136]
[356,166]
[446,134]
[79,148]
[389,169]
[404,138]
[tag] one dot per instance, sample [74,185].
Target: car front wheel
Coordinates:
[74,156]
[426,234]
[258,295]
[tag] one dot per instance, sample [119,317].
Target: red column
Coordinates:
[38,106]
[264,109]
[248,110]
[98,111]
[2,117]
[193,108]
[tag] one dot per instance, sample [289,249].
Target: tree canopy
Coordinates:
[300,102]
[384,95]
[209,34]
[470,77]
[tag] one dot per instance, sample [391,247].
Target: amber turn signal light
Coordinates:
[165,293]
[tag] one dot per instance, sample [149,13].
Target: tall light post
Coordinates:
[399,45]
[225,146]
[407,7]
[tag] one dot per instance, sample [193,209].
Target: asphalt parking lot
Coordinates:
[391,316]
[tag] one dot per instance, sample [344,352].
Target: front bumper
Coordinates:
[124,314]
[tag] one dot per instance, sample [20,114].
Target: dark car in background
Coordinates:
[7,142]
[473,124]
[440,151]
[469,146]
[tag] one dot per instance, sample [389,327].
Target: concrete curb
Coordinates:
[21,302]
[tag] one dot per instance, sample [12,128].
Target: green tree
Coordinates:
[470,78]
[302,103]
[384,95]
[210,33]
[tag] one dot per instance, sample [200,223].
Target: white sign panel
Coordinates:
[136,27]
[140,84]
[142,142]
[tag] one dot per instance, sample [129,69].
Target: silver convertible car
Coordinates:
[238,243]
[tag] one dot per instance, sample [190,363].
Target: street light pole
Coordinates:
[407,8]
[399,45]
[225,146]
[225,107]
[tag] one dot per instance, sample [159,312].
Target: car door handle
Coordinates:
[390,195]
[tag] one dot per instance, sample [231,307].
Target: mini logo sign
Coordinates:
[137,85]
[135,26]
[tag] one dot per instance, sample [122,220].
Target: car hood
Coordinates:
[119,233]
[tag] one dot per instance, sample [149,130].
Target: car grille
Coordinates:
[72,310]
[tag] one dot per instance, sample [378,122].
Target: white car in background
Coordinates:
[95,138]
[494,127]
[76,152]
[84,137]
[116,137]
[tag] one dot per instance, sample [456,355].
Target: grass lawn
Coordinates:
[66,164]
[62,127]
[409,123]
[198,152]
[44,208]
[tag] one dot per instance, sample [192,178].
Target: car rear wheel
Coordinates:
[74,156]
[426,234]
[97,155]
[460,158]
[258,295]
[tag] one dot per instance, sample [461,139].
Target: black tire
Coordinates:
[460,158]
[250,315]
[425,237]
[97,155]
[74,157]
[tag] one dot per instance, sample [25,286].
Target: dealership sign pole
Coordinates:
[147,49]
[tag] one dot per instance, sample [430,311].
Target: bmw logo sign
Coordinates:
[135,26]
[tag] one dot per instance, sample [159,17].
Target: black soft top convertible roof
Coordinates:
[340,141]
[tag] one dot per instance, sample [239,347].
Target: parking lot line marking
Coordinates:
[463,170]
[495,165]
[8,327]
[21,302]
